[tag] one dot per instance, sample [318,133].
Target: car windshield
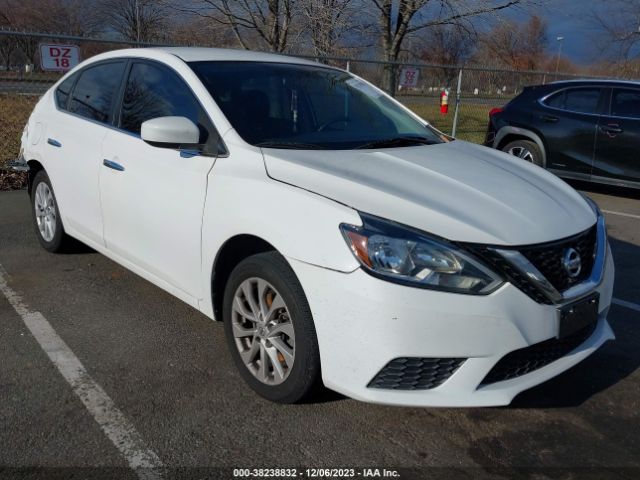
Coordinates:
[280,105]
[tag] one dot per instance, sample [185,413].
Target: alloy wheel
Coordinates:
[263,332]
[46,214]
[521,152]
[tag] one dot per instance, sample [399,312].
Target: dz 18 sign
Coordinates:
[59,58]
[409,77]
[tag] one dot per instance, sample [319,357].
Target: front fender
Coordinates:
[301,225]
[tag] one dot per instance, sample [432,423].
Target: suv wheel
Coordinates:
[526,150]
[270,330]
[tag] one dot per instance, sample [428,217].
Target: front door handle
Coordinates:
[549,119]
[54,142]
[113,165]
[611,129]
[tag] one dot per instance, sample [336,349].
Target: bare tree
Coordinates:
[328,23]
[7,43]
[515,45]
[535,35]
[39,15]
[68,16]
[140,20]
[19,15]
[447,45]
[398,19]
[7,46]
[253,22]
[194,30]
[565,65]
[619,28]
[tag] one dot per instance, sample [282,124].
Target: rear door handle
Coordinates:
[611,129]
[549,119]
[54,142]
[113,165]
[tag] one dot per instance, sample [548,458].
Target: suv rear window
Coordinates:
[580,100]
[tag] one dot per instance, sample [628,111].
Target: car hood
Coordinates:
[457,190]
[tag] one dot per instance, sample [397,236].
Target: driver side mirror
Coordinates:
[170,132]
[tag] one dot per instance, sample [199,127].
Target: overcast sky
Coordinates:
[571,19]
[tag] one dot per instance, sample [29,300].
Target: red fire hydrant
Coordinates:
[444,102]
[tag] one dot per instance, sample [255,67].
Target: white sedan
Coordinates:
[340,238]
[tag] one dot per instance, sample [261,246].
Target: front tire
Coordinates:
[46,215]
[526,150]
[270,330]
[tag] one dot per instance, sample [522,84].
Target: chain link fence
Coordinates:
[472,91]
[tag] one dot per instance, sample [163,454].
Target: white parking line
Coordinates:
[111,420]
[624,303]
[622,214]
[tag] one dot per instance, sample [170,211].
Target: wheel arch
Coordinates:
[509,134]
[230,254]
[34,167]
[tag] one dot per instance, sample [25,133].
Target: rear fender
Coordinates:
[523,133]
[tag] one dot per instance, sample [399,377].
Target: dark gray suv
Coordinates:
[583,129]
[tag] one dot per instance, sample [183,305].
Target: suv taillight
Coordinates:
[495,110]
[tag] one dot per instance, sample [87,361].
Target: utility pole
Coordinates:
[559,39]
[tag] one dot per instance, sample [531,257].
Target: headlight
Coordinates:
[403,255]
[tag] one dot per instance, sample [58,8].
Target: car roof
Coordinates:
[202,54]
[595,81]
[193,54]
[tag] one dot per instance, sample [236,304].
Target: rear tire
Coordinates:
[270,330]
[526,150]
[46,215]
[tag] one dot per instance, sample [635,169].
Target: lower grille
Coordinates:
[415,373]
[526,360]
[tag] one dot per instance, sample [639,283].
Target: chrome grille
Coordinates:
[547,258]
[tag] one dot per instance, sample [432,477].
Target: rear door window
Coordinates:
[579,100]
[625,103]
[63,91]
[95,91]
[154,91]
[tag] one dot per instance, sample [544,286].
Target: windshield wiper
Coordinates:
[290,145]
[397,142]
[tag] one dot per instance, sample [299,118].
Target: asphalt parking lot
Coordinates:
[166,368]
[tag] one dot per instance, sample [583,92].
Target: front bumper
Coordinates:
[363,323]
